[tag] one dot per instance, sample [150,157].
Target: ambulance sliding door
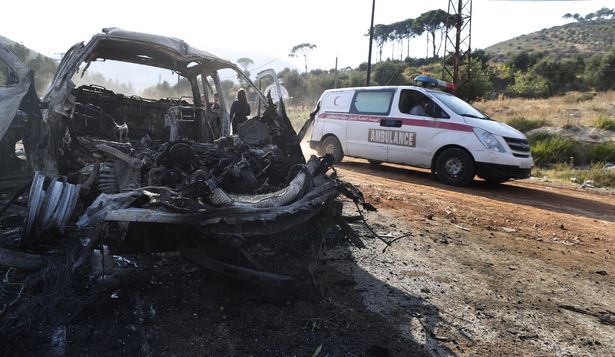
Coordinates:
[368,109]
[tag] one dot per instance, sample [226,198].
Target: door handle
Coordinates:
[391,123]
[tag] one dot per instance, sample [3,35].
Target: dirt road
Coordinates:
[524,268]
[520,269]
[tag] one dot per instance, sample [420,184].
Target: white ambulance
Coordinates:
[419,126]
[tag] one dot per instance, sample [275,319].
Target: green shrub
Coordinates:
[536,137]
[604,152]
[478,86]
[585,96]
[604,122]
[389,73]
[528,85]
[525,125]
[553,150]
[599,70]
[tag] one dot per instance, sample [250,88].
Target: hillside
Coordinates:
[6,42]
[44,67]
[579,38]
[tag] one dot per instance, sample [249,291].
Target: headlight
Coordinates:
[489,140]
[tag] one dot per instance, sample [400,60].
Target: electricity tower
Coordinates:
[457,46]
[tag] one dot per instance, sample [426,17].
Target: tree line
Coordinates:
[603,14]
[44,67]
[431,22]
[526,74]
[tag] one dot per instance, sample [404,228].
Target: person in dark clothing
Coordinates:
[240,109]
[215,105]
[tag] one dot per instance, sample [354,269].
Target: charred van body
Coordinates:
[141,175]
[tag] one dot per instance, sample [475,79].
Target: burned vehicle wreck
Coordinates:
[125,174]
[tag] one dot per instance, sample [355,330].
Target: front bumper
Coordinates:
[501,172]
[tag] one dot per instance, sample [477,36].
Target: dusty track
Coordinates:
[523,268]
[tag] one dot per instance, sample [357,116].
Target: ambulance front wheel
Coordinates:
[455,167]
[330,145]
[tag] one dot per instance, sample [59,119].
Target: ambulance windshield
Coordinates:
[459,106]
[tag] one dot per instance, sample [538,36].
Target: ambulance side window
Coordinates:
[416,103]
[377,102]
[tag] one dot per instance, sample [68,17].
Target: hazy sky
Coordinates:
[270,27]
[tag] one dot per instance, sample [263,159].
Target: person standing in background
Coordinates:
[215,105]
[240,109]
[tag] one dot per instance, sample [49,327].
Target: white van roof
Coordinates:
[353,89]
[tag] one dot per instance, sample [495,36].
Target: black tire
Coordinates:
[374,162]
[332,146]
[455,167]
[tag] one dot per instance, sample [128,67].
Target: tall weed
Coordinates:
[603,152]
[297,116]
[553,150]
[524,125]
[539,136]
[604,122]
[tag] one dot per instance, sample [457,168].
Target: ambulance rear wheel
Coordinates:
[455,167]
[333,147]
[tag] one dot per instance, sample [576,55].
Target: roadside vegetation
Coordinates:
[564,158]
[553,150]
[525,125]
[298,116]
[594,176]
[572,135]
[604,122]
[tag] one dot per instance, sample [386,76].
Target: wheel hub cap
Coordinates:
[454,167]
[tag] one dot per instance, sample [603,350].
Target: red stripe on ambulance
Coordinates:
[405,121]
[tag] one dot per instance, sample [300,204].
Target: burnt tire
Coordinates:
[330,145]
[455,167]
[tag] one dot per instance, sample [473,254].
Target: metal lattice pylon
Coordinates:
[457,46]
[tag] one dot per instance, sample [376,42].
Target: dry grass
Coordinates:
[573,108]
[298,115]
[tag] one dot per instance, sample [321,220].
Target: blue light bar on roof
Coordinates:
[426,81]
